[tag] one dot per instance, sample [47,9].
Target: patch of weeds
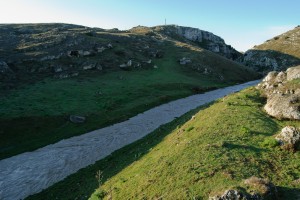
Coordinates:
[190,128]
[270,142]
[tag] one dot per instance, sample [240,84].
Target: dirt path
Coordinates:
[31,172]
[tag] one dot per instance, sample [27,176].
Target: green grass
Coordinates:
[190,158]
[36,114]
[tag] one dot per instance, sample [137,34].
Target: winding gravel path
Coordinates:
[31,172]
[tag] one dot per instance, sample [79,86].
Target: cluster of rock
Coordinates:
[283,102]
[283,99]
[256,189]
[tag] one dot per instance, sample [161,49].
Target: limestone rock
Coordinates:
[230,195]
[289,135]
[281,77]
[267,60]
[283,99]
[282,107]
[89,65]
[260,188]
[293,73]
[110,46]
[100,49]
[57,69]
[271,76]
[184,61]
[77,119]
[212,42]
[4,68]
[129,63]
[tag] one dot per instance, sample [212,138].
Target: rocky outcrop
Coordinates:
[208,41]
[267,60]
[283,96]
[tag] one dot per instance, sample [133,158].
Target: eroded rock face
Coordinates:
[283,98]
[212,42]
[264,61]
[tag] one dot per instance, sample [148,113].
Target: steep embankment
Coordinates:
[51,71]
[277,54]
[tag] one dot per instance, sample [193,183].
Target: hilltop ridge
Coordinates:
[275,54]
[201,38]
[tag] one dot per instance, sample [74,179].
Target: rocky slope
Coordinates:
[34,51]
[277,54]
[282,90]
[204,39]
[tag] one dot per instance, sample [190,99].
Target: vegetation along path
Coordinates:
[31,172]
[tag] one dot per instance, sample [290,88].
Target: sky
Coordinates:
[241,23]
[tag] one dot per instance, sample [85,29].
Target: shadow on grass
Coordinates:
[231,146]
[288,193]
[82,184]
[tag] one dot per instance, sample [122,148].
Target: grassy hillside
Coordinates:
[287,43]
[193,157]
[276,54]
[36,105]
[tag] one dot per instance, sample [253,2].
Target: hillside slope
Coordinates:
[49,72]
[202,154]
[195,36]
[278,53]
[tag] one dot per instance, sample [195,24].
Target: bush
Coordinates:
[270,142]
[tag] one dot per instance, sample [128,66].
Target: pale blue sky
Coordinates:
[241,23]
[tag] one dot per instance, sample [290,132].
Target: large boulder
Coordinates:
[293,73]
[283,106]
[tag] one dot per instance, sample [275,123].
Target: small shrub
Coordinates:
[190,128]
[99,194]
[245,131]
[270,142]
